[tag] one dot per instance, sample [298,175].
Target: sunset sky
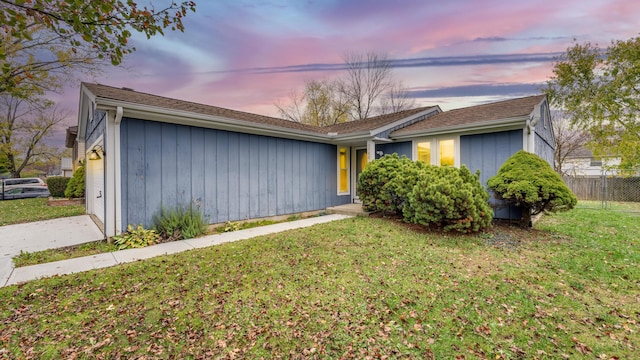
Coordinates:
[248,55]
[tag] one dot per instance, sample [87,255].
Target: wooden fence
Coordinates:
[585,188]
[607,188]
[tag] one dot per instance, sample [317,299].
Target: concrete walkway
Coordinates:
[43,235]
[10,275]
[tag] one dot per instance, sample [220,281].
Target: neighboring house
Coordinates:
[151,151]
[583,163]
[66,167]
[78,151]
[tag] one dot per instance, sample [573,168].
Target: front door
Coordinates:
[360,163]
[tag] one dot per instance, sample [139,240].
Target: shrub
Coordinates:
[449,198]
[382,183]
[398,188]
[75,186]
[528,181]
[179,223]
[231,226]
[57,185]
[136,238]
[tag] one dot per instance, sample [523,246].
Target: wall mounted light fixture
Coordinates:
[93,155]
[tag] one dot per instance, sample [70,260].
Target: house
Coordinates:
[582,163]
[78,151]
[145,151]
[66,167]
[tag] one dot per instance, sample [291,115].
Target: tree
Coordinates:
[396,99]
[319,105]
[528,181]
[366,89]
[44,36]
[568,140]
[368,77]
[24,127]
[599,90]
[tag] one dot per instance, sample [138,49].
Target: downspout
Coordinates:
[117,178]
[118,115]
[531,126]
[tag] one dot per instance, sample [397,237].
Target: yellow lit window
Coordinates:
[424,152]
[343,173]
[447,157]
[363,161]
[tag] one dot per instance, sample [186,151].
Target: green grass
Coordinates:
[355,288]
[28,210]
[45,256]
[611,205]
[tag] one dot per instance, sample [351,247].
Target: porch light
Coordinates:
[93,155]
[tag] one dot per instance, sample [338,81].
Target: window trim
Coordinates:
[435,148]
[348,164]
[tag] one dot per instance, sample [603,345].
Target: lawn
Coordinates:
[28,210]
[357,288]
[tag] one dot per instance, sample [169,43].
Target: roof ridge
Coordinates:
[496,103]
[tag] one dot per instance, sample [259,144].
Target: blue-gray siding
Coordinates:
[230,176]
[487,152]
[544,141]
[95,127]
[400,148]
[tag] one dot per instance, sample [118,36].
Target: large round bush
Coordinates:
[379,181]
[449,198]
[528,181]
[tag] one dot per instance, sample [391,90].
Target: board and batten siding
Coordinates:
[95,127]
[400,148]
[230,176]
[487,152]
[544,140]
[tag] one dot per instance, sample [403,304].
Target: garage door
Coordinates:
[97,173]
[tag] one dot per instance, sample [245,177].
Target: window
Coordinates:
[596,162]
[424,152]
[447,152]
[442,151]
[343,170]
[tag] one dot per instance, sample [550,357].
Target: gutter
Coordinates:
[207,121]
[519,122]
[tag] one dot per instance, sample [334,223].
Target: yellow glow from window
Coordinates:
[424,152]
[447,157]
[344,171]
[363,161]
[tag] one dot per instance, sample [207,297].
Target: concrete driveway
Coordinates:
[43,235]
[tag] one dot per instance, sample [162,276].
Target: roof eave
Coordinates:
[433,109]
[485,125]
[146,112]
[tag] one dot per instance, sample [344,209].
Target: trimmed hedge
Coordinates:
[433,196]
[57,185]
[380,181]
[75,187]
[449,198]
[528,181]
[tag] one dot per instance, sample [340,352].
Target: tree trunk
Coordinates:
[525,222]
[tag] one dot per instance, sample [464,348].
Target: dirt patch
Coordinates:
[504,235]
[65,202]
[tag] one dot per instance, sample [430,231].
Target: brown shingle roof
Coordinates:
[475,114]
[373,122]
[131,96]
[70,138]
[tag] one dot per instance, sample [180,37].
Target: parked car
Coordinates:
[17,182]
[25,192]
